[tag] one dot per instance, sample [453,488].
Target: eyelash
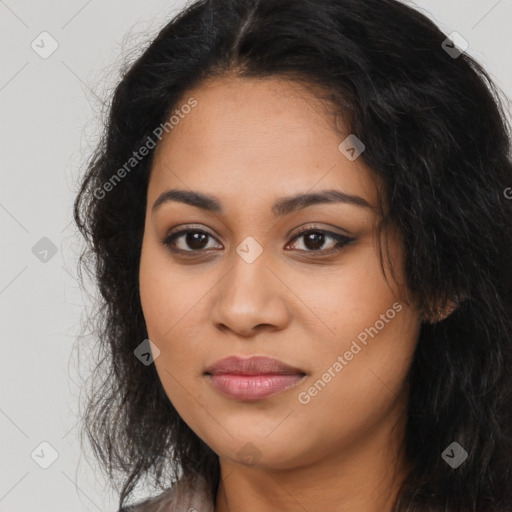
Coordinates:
[342,240]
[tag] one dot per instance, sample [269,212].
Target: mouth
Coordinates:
[252,378]
[253,387]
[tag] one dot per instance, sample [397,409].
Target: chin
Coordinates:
[259,452]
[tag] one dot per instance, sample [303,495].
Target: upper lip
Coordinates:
[255,365]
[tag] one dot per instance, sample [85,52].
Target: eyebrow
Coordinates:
[282,206]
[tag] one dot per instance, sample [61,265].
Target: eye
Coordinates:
[314,240]
[195,239]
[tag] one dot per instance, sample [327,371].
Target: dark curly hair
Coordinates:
[436,134]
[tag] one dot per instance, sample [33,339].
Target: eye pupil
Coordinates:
[196,239]
[316,238]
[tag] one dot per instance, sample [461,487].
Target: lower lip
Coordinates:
[253,387]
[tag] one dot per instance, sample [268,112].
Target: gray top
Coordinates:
[186,495]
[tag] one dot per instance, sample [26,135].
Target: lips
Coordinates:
[252,378]
[255,365]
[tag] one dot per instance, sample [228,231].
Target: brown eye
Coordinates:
[315,239]
[189,240]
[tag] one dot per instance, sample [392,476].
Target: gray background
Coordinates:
[49,124]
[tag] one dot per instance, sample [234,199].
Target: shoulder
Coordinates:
[186,495]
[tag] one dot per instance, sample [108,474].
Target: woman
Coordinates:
[299,223]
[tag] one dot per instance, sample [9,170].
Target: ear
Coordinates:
[441,313]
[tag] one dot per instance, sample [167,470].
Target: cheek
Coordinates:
[349,396]
[169,294]
[343,300]
[361,362]
[175,321]
[177,364]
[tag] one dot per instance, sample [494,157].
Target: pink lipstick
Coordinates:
[252,378]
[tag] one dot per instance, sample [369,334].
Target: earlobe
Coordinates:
[440,314]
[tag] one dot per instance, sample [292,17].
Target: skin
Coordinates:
[250,142]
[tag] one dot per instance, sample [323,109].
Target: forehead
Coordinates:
[246,139]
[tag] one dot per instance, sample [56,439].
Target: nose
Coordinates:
[250,298]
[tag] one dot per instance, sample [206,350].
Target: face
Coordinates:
[249,274]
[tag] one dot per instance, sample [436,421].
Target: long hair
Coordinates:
[436,134]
